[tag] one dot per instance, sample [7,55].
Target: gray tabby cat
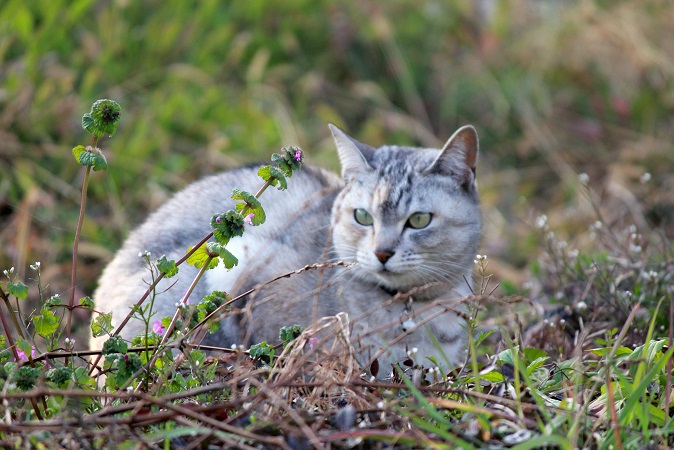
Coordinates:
[405,217]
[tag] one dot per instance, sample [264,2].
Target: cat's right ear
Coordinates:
[354,156]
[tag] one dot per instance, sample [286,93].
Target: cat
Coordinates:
[402,218]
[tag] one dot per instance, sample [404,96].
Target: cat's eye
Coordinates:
[363,217]
[419,220]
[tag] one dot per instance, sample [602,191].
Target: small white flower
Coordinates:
[584,178]
[542,222]
[246,406]
[632,228]
[581,306]
[573,254]
[645,178]
[380,405]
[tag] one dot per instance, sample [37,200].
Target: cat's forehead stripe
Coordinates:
[395,186]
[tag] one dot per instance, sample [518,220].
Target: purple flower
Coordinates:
[249,218]
[298,155]
[159,328]
[218,219]
[23,356]
[312,341]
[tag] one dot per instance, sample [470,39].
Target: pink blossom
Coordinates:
[159,328]
[249,218]
[298,155]
[312,341]
[23,356]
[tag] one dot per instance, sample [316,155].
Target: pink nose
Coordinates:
[383,256]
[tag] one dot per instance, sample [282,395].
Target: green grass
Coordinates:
[207,86]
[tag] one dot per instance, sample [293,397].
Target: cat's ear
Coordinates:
[354,156]
[458,154]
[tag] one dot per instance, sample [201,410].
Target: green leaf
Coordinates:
[167,267]
[227,258]
[102,324]
[238,194]
[253,204]
[226,226]
[115,345]
[277,178]
[24,346]
[532,354]
[59,375]
[126,367]
[90,157]
[46,323]
[200,257]
[287,161]
[54,300]
[287,334]
[87,303]
[535,364]
[88,123]
[26,377]
[103,118]
[261,349]
[19,290]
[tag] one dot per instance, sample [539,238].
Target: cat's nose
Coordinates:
[383,255]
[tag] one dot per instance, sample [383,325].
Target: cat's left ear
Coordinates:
[354,156]
[458,154]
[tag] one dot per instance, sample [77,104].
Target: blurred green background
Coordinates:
[555,89]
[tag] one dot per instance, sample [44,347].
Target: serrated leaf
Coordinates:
[103,118]
[51,302]
[88,123]
[94,158]
[101,325]
[18,290]
[167,267]
[86,303]
[227,257]
[200,257]
[258,215]
[24,346]
[287,334]
[46,323]
[226,226]
[114,345]
[99,162]
[238,194]
[261,349]
[278,180]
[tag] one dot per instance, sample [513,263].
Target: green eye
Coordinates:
[362,217]
[419,220]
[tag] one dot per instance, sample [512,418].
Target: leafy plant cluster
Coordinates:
[303,393]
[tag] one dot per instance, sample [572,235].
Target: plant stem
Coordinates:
[17,324]
[83,204]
